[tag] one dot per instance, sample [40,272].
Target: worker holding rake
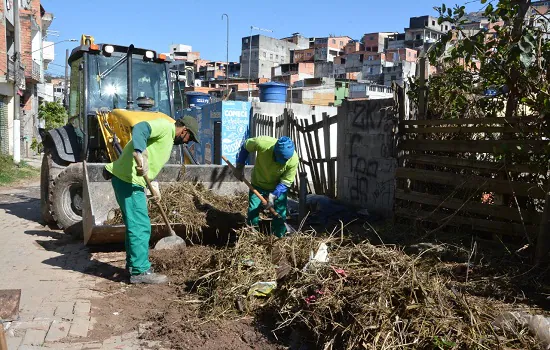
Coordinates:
[273,173]
[146,154]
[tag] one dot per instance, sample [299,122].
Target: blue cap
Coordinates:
[283,150]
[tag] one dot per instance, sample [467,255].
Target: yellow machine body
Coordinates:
[116,126]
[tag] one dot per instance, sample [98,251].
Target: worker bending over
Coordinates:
[152,143]
[273,173]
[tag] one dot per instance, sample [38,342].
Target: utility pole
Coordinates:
[66,84]
[16,86]
[227,56]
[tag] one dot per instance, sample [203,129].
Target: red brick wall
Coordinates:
[26,32]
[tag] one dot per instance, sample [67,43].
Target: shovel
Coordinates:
[247,183]
[172,241]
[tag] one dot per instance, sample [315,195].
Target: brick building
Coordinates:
[34,21]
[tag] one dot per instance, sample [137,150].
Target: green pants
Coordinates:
[133,205]
[278,227]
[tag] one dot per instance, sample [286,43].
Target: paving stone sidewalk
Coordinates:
[50,270]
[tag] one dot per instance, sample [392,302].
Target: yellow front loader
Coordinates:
[112,88]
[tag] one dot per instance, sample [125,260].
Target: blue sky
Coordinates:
[157,24]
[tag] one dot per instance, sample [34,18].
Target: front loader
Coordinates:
[112,88]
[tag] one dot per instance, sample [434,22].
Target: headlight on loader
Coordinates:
[109,49]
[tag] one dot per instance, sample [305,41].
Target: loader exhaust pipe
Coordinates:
[129,89]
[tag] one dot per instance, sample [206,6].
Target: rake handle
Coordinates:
[247,183]
[162,213]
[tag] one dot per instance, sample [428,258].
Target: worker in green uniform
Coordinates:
[273,173]
[152,143]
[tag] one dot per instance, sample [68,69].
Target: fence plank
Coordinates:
[294,136]
[311,156]
[471,182]
[476,129]
[322,167]
[330,169]
[498,211]
[315,126]
[498,227]
[470,121]
[482,146]
[460,163]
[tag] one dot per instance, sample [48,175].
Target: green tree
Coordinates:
[53,114]
[512,52]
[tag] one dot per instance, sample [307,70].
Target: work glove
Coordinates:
[270,201]
[154,193]
[142,159]
[239,172]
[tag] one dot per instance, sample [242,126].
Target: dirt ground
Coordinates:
[123,308]
[174,316]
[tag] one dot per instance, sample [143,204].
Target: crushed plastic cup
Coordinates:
[262,289]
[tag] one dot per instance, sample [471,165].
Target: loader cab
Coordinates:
[105,76]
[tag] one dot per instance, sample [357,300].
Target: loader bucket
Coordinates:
[99,198]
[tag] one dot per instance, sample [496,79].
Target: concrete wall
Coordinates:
[367,155]
[324,70]
[401,72]
[266,53]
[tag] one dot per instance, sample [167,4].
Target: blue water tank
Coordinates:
[273,92]
[198,99]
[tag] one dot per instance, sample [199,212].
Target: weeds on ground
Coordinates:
[11,172]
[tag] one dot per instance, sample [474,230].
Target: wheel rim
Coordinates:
[72,200]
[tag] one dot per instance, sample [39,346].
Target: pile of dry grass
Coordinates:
[365,297]
[189,203]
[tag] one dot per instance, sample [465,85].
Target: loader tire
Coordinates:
[67,199]
[50,169]
[45,184]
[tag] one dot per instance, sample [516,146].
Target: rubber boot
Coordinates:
[148,277]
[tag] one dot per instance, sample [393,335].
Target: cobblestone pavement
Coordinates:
[50,269]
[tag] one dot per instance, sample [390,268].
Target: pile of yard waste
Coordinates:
[190,203]
[343,294]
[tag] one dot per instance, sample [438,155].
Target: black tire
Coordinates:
[51,167]
[66,199]
[45,184]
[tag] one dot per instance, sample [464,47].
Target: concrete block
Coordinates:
[34,337]
[82,307]
[45,310]
[64,308]
[58,330]
[80,326]
[41,324]
[30,347]
[14,342]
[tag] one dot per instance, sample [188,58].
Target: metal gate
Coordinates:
[4,131]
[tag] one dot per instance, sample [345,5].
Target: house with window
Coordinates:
[36,53]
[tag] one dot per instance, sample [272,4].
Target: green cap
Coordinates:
[193,127]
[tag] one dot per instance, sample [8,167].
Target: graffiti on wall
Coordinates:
[370,155]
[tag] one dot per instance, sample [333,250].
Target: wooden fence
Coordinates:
[312,142]
[465,172]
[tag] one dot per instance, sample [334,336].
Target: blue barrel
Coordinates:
[273,92]
[198,99]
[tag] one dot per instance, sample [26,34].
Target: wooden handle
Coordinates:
[262,199]
[3,341]
[162,213]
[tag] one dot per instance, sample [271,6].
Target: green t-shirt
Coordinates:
[267,173]
[159,148]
